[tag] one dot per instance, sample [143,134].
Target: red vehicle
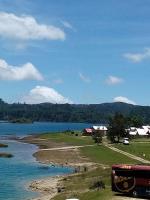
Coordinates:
[131,179]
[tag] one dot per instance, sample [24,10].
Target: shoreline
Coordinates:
[50,186]
[46,187]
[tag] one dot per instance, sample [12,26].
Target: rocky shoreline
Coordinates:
[51,186]
[47,187]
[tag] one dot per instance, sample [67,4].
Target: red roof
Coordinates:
[132,167]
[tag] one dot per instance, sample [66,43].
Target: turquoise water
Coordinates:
[18,171]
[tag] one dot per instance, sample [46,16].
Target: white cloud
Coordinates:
[27,28]
[84,78]
[124,100]
[138,57]
[68,25]
[26,71]
[58,81]
[113,80]
[42,94]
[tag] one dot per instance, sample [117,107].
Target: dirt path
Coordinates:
[127,154]
[66,148]
[106,145]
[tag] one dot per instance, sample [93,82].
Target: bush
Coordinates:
[98,185]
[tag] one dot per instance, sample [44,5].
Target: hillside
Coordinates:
[94,113]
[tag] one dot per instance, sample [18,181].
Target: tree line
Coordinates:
[92,113]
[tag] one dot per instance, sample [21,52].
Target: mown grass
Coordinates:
[138,149]
[78,186]
[141,139]
[69,138]
[104,155]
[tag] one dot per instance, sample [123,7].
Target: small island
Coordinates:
[6,155]
[21,121]
[3,145]
[3,154]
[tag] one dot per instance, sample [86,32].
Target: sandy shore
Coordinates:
[62,156]
[47,187]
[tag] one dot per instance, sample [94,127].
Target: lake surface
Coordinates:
[18,171]
[7,129]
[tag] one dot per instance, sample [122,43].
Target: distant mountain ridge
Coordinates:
[92,113]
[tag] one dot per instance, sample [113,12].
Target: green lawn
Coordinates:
[103,155]
[68,138]
[90,195]
[139,149]
[78,186]
[147,140]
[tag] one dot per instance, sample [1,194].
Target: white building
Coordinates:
[100,129]
[144,131]
[132,131]
[146,128]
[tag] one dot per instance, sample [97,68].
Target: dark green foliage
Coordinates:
[135,121]
[98,185]
[97,137]
[117,126]
[21,120]
[93,113]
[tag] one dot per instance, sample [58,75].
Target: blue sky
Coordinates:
[78,51]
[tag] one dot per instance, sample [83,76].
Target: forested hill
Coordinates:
[94,113]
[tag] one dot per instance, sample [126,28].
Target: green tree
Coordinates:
[97,137]
[135,121]
[116,128]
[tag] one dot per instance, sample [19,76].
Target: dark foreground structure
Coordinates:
[131,180]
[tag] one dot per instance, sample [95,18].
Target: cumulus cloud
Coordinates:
[124,100]
[113,80]
[27,28]
[84,78]
[138,57]
[42,94]
[26,71]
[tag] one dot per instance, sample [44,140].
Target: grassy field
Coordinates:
[78,185]
[70,139]
[136,148]
[141,140]
[103,155]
